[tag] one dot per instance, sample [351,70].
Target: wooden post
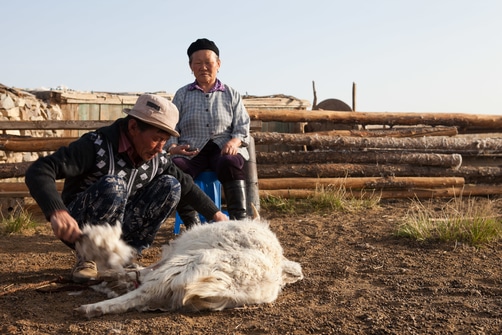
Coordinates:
[353,97]
[252,193]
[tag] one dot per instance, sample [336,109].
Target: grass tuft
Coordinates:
[339,199]
[474,221]
[19,219]
[328,198]
[279,204]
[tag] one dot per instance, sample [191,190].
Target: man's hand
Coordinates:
[183,149]
[220,216]
[231,147]
[65,227]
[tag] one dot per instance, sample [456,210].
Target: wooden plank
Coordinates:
[71,113]
[462,121]
[275,103]
[440,144]
[54,124]
[14,194]
[109,112]
[94,112]
[74,97]
[451,192]
[359,183]
[479,122]
[392,132]
[13,170]
[20,187]
[35,144]
[472,174]
[83,112]
[356,156]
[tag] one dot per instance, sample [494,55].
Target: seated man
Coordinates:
[214,122]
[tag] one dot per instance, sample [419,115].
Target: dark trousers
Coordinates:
[141,215]
[227,167]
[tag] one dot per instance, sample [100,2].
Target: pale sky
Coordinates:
[404,56]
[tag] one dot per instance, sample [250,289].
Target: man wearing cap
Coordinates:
[214,121]
[118,174]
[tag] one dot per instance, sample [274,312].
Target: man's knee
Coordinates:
[168,181]
[231,167]
[164,188]
[112,184]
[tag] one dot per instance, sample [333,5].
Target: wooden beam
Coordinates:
[53,125]
[472,174]
[392,132]
[360,157]
[461,120]
[441,144]
[34,144]
[21,186]
[359,183]
[13,170]
[451,192]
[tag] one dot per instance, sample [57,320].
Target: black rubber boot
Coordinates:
[188,215]
[235,196]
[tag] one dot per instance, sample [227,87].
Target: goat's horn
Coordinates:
[256,215]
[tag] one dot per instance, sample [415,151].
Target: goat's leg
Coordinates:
[134,299]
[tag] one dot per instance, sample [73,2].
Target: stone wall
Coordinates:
[19,105]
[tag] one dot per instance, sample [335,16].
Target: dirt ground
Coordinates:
[359,279]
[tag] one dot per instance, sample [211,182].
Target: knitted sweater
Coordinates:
[96,154]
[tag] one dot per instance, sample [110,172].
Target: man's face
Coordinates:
[205,65]
[147,143]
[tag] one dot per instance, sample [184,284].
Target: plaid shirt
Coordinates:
[218,115]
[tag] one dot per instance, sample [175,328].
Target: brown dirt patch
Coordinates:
[359,279]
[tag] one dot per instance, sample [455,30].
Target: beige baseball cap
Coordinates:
[156,111]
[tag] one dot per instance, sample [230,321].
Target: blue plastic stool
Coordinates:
[209,183]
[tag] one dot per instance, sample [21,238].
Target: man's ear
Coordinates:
[132,127]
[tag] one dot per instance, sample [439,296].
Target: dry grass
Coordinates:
[474,221]
[17,220]
[326,198]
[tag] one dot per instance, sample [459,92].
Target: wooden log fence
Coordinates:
[357,157]
[441,144]
[465,123]
[427,159]
[34,144]
[471,174]
[394,132]
[415,193]
[361,183]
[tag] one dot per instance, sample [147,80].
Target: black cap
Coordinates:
[202,44]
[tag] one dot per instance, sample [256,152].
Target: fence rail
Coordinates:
[405,145]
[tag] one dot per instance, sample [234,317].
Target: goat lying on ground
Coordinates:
[212,266]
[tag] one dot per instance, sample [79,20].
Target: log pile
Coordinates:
[410,155]
[393,154]
[394,165]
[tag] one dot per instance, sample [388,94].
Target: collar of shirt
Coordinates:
[126,146]
[218,86]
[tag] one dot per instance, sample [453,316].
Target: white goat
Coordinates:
[211,266]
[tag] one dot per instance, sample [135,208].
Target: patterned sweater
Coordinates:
[96,154]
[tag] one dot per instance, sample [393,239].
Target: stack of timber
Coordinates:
[394,155]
